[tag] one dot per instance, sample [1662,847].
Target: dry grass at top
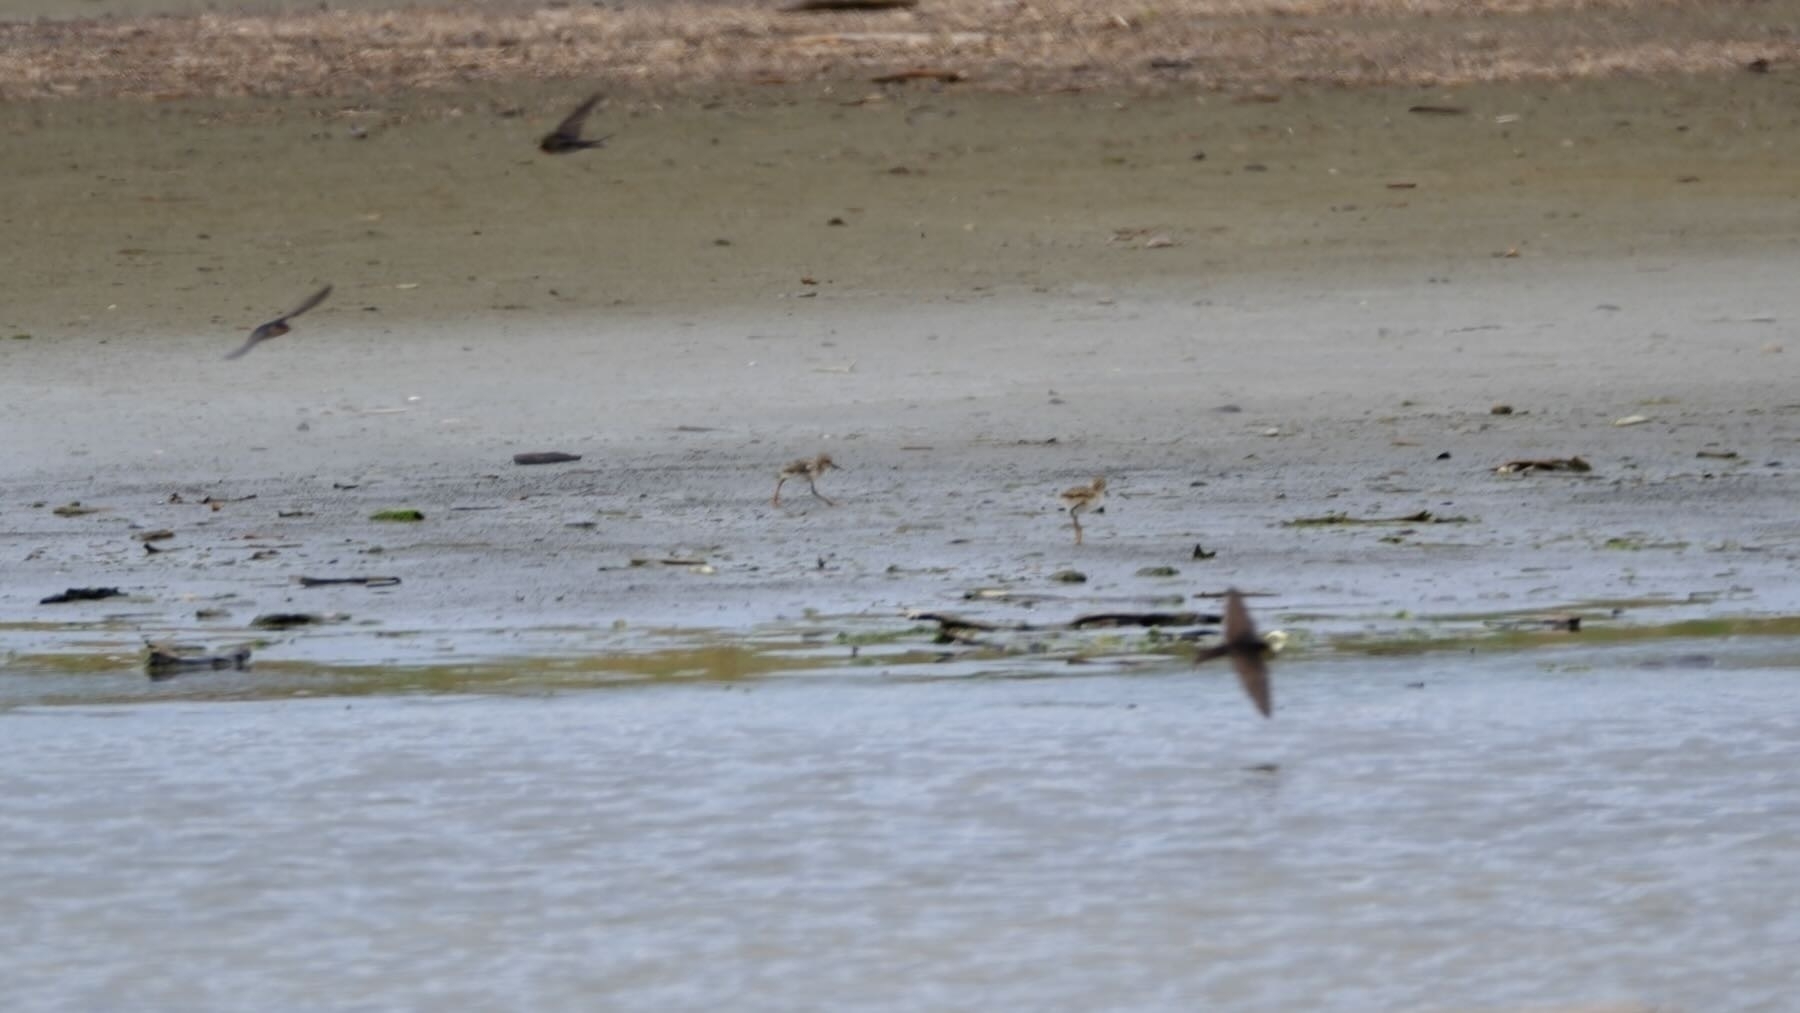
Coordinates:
[1027,45]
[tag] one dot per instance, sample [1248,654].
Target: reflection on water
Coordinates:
[1520,831]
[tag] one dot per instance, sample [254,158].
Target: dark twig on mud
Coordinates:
[168,661]
[819,6]
[82,594]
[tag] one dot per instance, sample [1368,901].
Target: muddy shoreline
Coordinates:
[1369,403]
[1297,324]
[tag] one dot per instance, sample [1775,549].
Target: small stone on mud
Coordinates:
[1069,577]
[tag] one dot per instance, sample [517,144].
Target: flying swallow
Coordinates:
[567,135]
[1246,650]
[279,326]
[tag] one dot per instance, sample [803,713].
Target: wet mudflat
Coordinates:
[1337,451]
[1569,829]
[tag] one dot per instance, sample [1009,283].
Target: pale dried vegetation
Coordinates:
[1001,45]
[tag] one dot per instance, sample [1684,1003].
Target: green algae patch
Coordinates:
[75,663]
[1634,543]
[1586,608]
[1425,641]
[117,676]
[398,516]
[877,637]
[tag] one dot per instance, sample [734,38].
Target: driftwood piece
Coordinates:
[1335,520]
[819,6]
[364,581]
[545,457]
[947,621]
[82,594]
[166,661]
[940,75]
[1565,623]
[956,627]
[289,620]
[1110,620]
[1522,466]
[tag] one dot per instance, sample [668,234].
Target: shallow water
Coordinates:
[1554,827]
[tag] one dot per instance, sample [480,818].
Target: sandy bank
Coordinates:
[205,217]
[271,49]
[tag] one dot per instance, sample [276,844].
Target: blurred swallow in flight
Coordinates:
[279,326]
[567,135]
[1246,650]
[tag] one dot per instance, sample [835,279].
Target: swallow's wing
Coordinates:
[1201,657]
[1255,677]
[570,127]
[312,300]
[256,337]
[1238,626]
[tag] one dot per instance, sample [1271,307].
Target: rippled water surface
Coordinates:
[1519,831]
